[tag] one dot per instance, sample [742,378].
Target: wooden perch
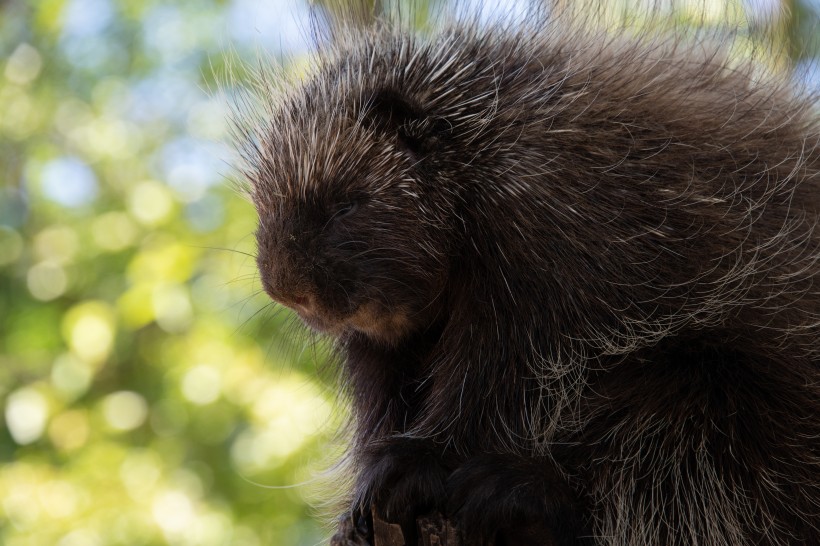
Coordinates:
[433,530]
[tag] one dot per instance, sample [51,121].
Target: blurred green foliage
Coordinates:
[150,394]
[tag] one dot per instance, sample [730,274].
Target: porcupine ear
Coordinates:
[418,132]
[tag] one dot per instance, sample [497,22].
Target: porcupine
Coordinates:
[570,277]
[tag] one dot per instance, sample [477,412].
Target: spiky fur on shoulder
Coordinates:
[572,276]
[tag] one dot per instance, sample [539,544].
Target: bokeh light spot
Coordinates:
[18,505]
[26,415]
[89,328]
[83,18]
[92,337]
[202,384]
[172,308]
[140,472]
[71,376]
[184,479]
[173,511]
[58,498]
[23,65]
[56,244]
[124,410]
[70,430]
[110,137]
[150,203]
[46,281]
[114,231]
[69,182]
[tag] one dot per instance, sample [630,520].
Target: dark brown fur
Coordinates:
[573,280]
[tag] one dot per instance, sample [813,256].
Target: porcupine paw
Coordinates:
[352,531]
[506,500]
[404,479]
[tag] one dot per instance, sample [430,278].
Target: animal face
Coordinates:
[352,233]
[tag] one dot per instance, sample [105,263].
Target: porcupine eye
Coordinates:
[346,209]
